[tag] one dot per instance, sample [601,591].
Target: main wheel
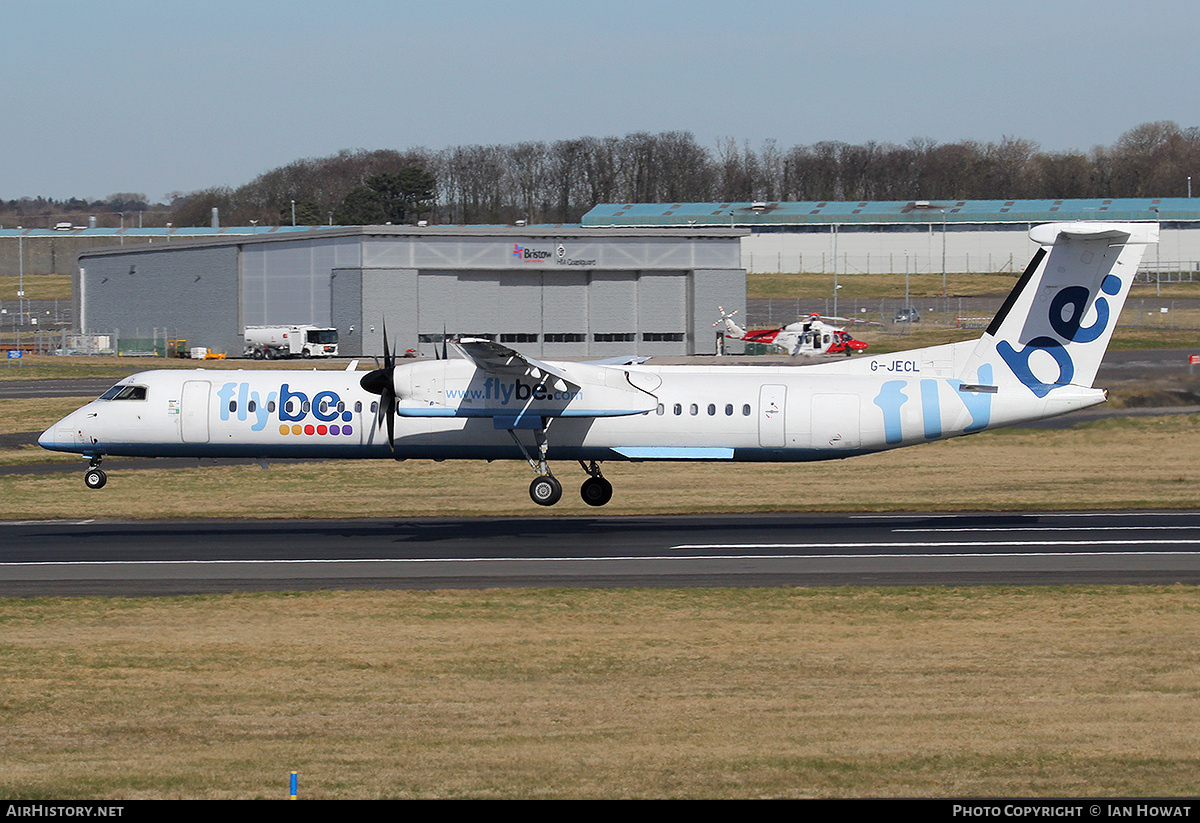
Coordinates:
[94,478]
[545,490]
[596,491]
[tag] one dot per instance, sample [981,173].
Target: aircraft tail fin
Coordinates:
[1055,326]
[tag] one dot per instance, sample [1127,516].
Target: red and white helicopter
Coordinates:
[810,337]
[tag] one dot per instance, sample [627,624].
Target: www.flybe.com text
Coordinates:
[494,389]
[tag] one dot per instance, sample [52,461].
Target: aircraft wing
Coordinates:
[629,360]
[498,359]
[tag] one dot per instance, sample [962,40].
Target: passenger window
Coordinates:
[712,409]
[729,410]
[746,410]
[232,405]
[661,408]
[271,405]
[324,406]
[678,409]
[251,406]
[694,409]
[358,406]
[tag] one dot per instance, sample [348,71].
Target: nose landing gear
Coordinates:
[94,477]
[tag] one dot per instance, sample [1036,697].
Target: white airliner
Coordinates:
[1037,359]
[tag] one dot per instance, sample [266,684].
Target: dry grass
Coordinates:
[577,693]
[871,286]
[37,286]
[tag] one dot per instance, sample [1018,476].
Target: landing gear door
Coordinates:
[194,417]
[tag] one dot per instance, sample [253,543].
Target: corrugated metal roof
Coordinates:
[183,231]
[892,211]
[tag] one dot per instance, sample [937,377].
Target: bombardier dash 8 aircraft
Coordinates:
[1037,359]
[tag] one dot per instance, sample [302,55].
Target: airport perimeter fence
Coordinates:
[899,263]
[107,344]
[766,262]
[1141,310]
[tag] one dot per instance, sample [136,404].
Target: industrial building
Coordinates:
[549,291]
[983,236]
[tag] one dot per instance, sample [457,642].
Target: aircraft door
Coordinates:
[772,405]
[194,417]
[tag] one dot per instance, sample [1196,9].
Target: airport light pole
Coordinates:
[21,277]
[943,211]
[1157,255]
[835,277]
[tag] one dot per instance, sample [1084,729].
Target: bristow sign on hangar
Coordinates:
[527,254]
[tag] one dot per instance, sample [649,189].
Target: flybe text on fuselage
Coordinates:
[289,406]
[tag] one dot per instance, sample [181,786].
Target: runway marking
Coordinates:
[918,515]
[1047,529]
[931,545]
[425,560]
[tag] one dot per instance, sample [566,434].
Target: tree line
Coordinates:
[558,181]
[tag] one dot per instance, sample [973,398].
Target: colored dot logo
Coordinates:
[320,430]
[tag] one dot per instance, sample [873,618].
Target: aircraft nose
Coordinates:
[50,439]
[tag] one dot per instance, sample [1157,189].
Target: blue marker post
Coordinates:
[294,785]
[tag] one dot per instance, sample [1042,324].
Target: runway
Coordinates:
[160,558]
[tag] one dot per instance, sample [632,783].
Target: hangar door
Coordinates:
[663,312]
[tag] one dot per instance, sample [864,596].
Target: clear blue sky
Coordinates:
[152,97]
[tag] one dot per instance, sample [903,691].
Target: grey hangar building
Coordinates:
[567,292]
[632,279]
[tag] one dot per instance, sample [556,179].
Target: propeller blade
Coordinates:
[382,383]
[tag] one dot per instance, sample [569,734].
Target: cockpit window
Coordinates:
[125,392]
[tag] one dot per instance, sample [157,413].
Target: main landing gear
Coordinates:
[545,490]
[595,491]
[94,477]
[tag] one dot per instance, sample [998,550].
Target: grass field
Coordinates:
[37,287]
[1074,691]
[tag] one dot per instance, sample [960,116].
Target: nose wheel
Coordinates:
[94,477]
